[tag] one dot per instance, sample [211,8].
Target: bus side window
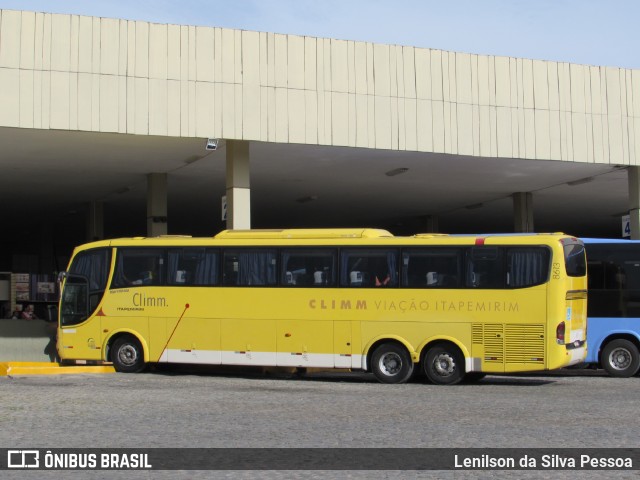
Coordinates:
[485,268]
[230,271]
[614,281]
[310,268]
[139,266]
[595,274]
[250,267]
[369,268]
[431,268]
[527,266]
[192,266]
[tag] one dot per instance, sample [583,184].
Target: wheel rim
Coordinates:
[128,355]
[390,364]
[444,365]
[620,359]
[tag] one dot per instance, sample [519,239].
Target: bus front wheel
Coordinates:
[127,355]
[390,363]
[620,358]
[444,364]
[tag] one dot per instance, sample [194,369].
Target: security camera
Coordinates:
[212,144]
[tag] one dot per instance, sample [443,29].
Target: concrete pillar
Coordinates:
[95,221]
[633,177]
[238,185]
[523,212]
[156,204]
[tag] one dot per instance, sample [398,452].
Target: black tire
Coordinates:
[127,355]
[620,358]
[391,363]
[444,364]
[473,377]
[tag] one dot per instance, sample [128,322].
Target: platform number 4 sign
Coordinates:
[626,226]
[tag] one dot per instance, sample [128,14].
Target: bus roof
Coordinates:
[609,240]
[329,236]
[311,233]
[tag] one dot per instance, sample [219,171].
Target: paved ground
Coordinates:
[182,408]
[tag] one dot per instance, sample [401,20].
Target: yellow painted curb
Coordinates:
[44,368]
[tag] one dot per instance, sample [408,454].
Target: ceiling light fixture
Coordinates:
[396,171]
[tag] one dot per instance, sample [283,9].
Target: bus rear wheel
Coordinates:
[127,355]
[620,358]
[390,363]
[444,364]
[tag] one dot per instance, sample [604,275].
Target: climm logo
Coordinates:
[322,304]
[142,300]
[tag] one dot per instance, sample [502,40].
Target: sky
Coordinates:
[591,32]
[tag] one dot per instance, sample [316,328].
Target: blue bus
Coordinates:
[613,310]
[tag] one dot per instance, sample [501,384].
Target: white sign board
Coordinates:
[626,226]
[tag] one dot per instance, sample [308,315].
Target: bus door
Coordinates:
[80,334]
[84,285]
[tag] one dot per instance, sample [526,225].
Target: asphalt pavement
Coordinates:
[206,408]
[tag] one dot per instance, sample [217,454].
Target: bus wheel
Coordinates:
[127,355]
[620,358]
[390,363]
[444,364]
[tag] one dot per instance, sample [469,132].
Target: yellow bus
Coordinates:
[451,307]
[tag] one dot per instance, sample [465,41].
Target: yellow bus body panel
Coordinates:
[499,331]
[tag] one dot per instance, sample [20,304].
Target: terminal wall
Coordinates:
[73,72]
[27,341]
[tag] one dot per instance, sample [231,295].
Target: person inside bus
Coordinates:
[383,280]
[382,276]
[146,277]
